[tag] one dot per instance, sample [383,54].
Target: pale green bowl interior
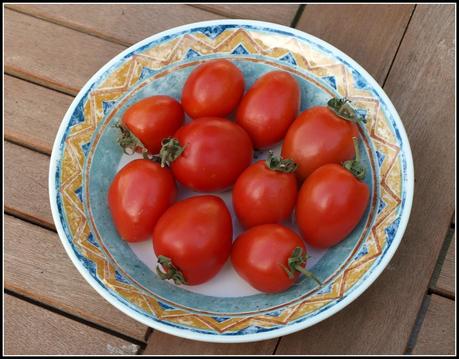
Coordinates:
[103,167]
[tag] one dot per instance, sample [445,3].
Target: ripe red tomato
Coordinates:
[269,107]
[151,120]
[270,257]
[317,137]
[265,192]
[330,204]
[213,89]
[208,154]
[138,195]
[192,239]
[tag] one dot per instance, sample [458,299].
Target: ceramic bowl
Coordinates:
[86,157]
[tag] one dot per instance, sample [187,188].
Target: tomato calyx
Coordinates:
[295,264]
[170,151]
[128,141]
[280,164]
[171,271]
[343,108]
[355,166]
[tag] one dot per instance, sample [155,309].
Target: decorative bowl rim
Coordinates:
[288,329]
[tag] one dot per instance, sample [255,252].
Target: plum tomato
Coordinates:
[270,257]
[265,192]
[213,89]
[321,135]
[208,154]
[150,121]
[138,195]
[331,202]
[269,107]
[192,240]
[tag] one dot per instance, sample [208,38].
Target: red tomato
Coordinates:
[151,120]
[193,239]
[269,107]
[213,89]
[138,195]
[265,192]
[330,204]
[269,257]
[208,154]
[317,137]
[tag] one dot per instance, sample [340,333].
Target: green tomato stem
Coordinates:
[172,272]
[295,264]
[355,166]
[343,108]
[170,151]
[280,164]
[128,141]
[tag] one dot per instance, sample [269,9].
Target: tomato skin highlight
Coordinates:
[269,107]
[196,234]
[258,255]
[318,137]
[213,89]
[152,119]
[262,196]
[330,204]
[216,151]
[138,195]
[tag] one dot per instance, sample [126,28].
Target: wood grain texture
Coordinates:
[32,113]
[437,335]
[445,281]
[165,344]
[125,24]
[421,86]
[30,329]
[370,34]
[26,184]
[52,55]
[37,266]
[281,14]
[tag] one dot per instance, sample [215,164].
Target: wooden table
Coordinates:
[52,50]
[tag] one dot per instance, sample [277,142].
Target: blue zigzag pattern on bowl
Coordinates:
[79,193]
[85,147]
[239,50]
[146,73]
[380,157]
[213,31]
[330,80]
[191,54]
[359,80]
[363,250]
[288,58]
[108,106]
[391,230]
[382,205]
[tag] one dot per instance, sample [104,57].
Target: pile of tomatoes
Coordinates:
[318,176]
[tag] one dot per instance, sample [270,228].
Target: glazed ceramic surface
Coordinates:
[86,157]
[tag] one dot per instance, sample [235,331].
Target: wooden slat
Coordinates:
[164,344]
[281,14]
[421,86]
[37,266]
[125,24]
[32,113]
[437,335]
[30,329]
[445,282]
[26,184]
[52,55]
[370,34]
